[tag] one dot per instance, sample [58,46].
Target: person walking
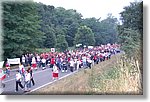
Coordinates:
[23,60]
[31,73]
[18,81]
[52,62]
[34,65]
[7,68]
[71,65]
[64,66]
[27,84]
[84,60]
[78,64]
[43,63]
[89,62]
[55,72]
[38,61]
[22,69]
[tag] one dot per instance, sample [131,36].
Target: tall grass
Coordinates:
[123,78]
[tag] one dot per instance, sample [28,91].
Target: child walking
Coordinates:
[7,68]
[55,72]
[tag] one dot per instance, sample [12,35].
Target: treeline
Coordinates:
[131,39]
[27,26]
[71,28]
[130,33]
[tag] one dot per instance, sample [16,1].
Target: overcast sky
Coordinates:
[91,8]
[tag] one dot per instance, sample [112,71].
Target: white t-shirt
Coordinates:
[27,77]
[23,59]
[84,58]
[20,67]
[18,76]
[38,58]
[43,60]
[71,63]
[55,69]
[33,60]
[89,60]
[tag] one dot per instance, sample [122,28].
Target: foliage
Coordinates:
[28,26]
[131,30]
[62,44]
[131,41]
[84,36]
[21,28]
[105,31]
[50,40]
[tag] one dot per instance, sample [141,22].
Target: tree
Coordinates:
[84,36]
[131,30]
[130,42]
[21,28]
[131,34]
[59,19]
[62,44]
[50,38]
[109,29]
[105,31]
[132,16]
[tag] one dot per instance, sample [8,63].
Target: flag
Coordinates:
[2,75]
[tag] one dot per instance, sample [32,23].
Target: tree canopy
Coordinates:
[84,36]
[21,28]
[28,26]
[131,30]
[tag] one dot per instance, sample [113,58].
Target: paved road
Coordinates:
[41,78]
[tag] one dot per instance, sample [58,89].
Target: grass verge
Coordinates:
[108,77]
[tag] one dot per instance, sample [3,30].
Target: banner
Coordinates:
[1,64]
[90,47]
[52,49]
[14,61]
[2,75]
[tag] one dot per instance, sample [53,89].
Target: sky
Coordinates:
[91,8]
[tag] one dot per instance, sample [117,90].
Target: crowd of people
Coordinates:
[25,76]
[62,62]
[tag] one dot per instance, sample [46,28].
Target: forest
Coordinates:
[28,26]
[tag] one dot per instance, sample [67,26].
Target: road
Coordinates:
[41,78]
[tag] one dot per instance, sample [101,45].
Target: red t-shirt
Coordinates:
[52,61]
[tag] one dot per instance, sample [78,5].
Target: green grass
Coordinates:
[113,73]
[99,81]
[71,48]
[43,50]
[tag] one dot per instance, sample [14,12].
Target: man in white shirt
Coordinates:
[43,63]
[23,60]
[71,65]
[18,81]
[84,61]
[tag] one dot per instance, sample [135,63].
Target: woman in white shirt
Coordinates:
[27,81]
